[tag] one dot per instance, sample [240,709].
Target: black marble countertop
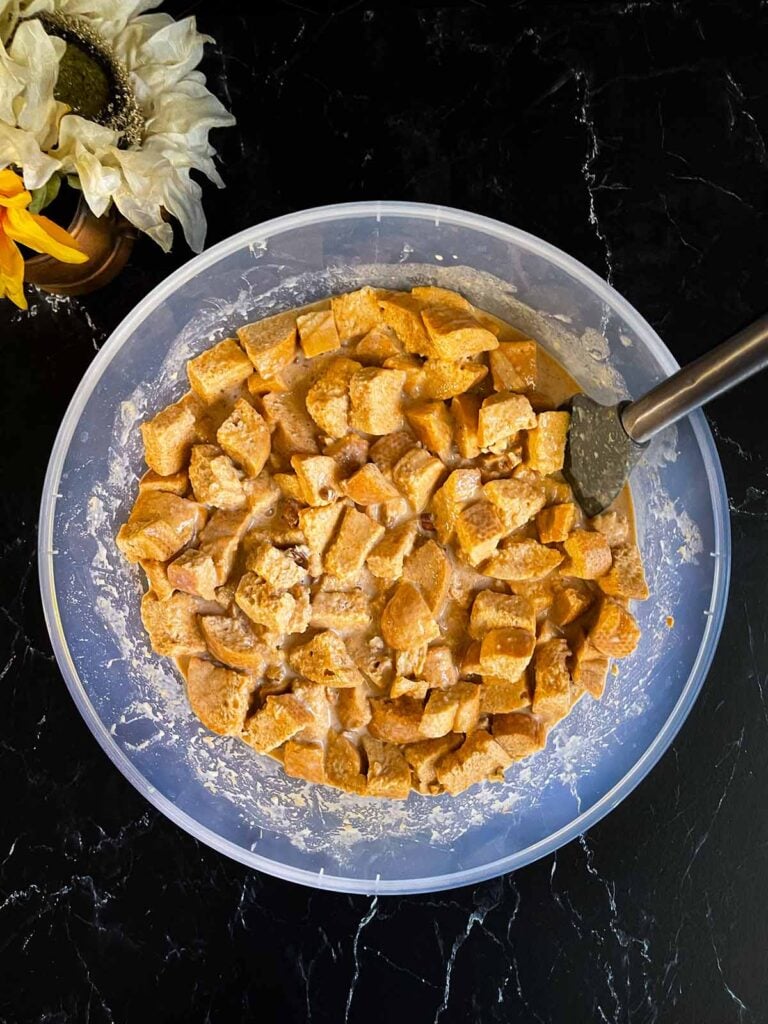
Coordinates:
[632,135]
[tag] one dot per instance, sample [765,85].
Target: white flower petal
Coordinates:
[146,218]
[96,138]
[183,200]
[20,148]
[188,109]
[37,56]
[167,56]
[11,86]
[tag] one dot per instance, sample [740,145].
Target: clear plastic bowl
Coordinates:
[217,788]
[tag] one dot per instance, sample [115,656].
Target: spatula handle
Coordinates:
[743,355]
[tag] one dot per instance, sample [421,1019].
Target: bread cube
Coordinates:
[404,686]
[157,577]
[340,610]
[193,572]
[470,660]
[317,333]
[439,713]
[170,434]
[387,558]
[433,426]
[218,696]
[402,313]
[302,612]
[407,622]
[462,486]
[278,720]
[373,659]
[430,295]
[261,493]
[377,345]
[159,526]
[270,344]
[258,385]
[440,668]
[589,555]
[328,397]
[554,523]
[304,761]
[440,379]
[344,764]
[417,474]
[356,538]
[430,570]
[294,431]
[570,601]
[388,772]
[264,605]
[552,689]
[522,560]
[315,698]
[504,375]
[275,566]
[500,611]
[506,652]
[234,642]
[172,624]
[214,479]
[479,528]
[411,662]
[626,577]
[479,757]
[513,366]
[456,333]
[412,367]
[501,416]
[396,721]
[557,492]
[318,526]
[324,659]
[391,512]
[244,436]
[289,486]
[375,397]
[318,477]
[468,710]
[356,313]
[220,538]
[499,695]
[545,444]
[520,734]
[423,756]
[350,453]
[353,708]
[614,526]
[218,369]
[517,501]
[615,631]
[176,483]
[369,486]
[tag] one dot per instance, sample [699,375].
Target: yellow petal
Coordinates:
[42,235]
[21,200]
[10,183]
[11,271]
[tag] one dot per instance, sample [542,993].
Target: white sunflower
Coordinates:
[108,95]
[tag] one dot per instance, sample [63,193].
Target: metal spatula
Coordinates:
[606,441]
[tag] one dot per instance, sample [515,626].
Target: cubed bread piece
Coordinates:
[557,492]
[503,373]
[344,764]
[264,605]
[396,721]
[552,689]
[353,708]
[468,710]
[571,599]
[417,474]
[317,332]
[340,610]
[157,577]
[193,572]
[404,686]
[350,453]
[356,538]
[176,483]
[461,487]
[304,761]
[541,592]
[430,295]
[430,570]
[275,566]
[214,479]
[465,410]
[315,697]
[402,313]
[377,345]
[432,424]
[470,659]
[318,477]
[170,434]
[356,313]
[369,486]
[520,734]
[289,485]
[440,668]
[159,526]
[499,695]
[500,611]
[233,641]
[506,652]
[390,449]
[423,756]
[412,661]
[218,369]
[302,613]
[172,624]
[407,622]
[261,493]
[220,538]
[590,669]
[412,367]
[328,397]
[318,526]
[270,344]
[479,528]
[518,501]
[325,659]
[479,757]
[391,512]
[522,560]
[614,526]
[258,385]
[626,577]
[244,436]
[278,720]
[589,555]
[295,432]
[441,379]
[456,333]
[554,523]
[522,357]
[499,465]
[387,558]
[388,773]
[375,400]
[615,631]
[218,696]
[439,713]
[501,416]
[373,659]
[545,444]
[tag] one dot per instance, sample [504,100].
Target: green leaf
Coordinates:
[44,195]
